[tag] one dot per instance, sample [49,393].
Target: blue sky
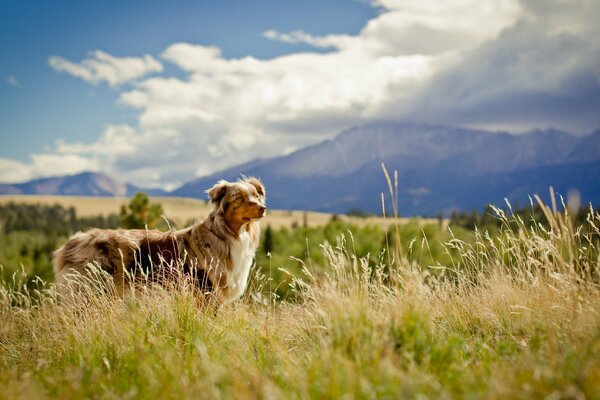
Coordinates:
[158,92]
[46,106]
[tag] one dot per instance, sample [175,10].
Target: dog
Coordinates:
[217,253]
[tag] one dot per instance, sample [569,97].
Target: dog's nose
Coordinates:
[262,209]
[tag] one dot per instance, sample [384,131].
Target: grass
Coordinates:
[518,316]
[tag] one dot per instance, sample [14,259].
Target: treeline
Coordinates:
[31,232]
[54,220]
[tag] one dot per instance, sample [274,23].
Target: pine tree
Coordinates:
[140,213]
[268,240]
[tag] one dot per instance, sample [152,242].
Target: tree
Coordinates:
[357,212]
[140,213]
[268,240]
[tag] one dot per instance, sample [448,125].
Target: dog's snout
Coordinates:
[262,208]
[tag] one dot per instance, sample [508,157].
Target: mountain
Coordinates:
[83,184]
[440,169]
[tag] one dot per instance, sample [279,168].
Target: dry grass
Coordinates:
[518,317]
[182,210]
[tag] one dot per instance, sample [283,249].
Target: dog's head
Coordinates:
[241,202]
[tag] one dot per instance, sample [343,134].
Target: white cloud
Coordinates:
[44,165]
[424,27]
[14,171]
[538,72]
[286,90]
[329,41]
[431,60]
[104,67]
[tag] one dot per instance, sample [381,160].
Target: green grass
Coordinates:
[516,315]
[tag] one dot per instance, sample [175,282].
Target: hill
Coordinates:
[83,184]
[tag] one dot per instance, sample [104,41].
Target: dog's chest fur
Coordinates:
[242,254]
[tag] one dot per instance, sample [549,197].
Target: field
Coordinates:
[506,313]
[184,210]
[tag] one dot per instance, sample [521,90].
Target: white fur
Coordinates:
[242,254]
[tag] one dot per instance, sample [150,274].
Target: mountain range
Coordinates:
[83,184]
[440,169]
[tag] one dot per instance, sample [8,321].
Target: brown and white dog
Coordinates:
[217,252]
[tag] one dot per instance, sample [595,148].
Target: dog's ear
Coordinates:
[260,188]
[217,192]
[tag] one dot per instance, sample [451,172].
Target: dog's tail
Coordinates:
[59,266]
[63,259]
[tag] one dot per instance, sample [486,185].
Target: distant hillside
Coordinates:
[83,184]
[440,169]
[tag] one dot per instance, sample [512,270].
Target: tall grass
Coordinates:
[517,316]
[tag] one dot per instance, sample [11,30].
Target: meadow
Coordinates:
[185,211]
[410,309]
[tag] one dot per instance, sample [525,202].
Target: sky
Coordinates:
[157,93]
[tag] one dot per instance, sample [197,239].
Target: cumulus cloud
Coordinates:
[295,37]
[14,171]
[538,72]
[460,62]
[44,165]
[104,67]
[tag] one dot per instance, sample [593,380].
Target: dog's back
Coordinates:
[114,251]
